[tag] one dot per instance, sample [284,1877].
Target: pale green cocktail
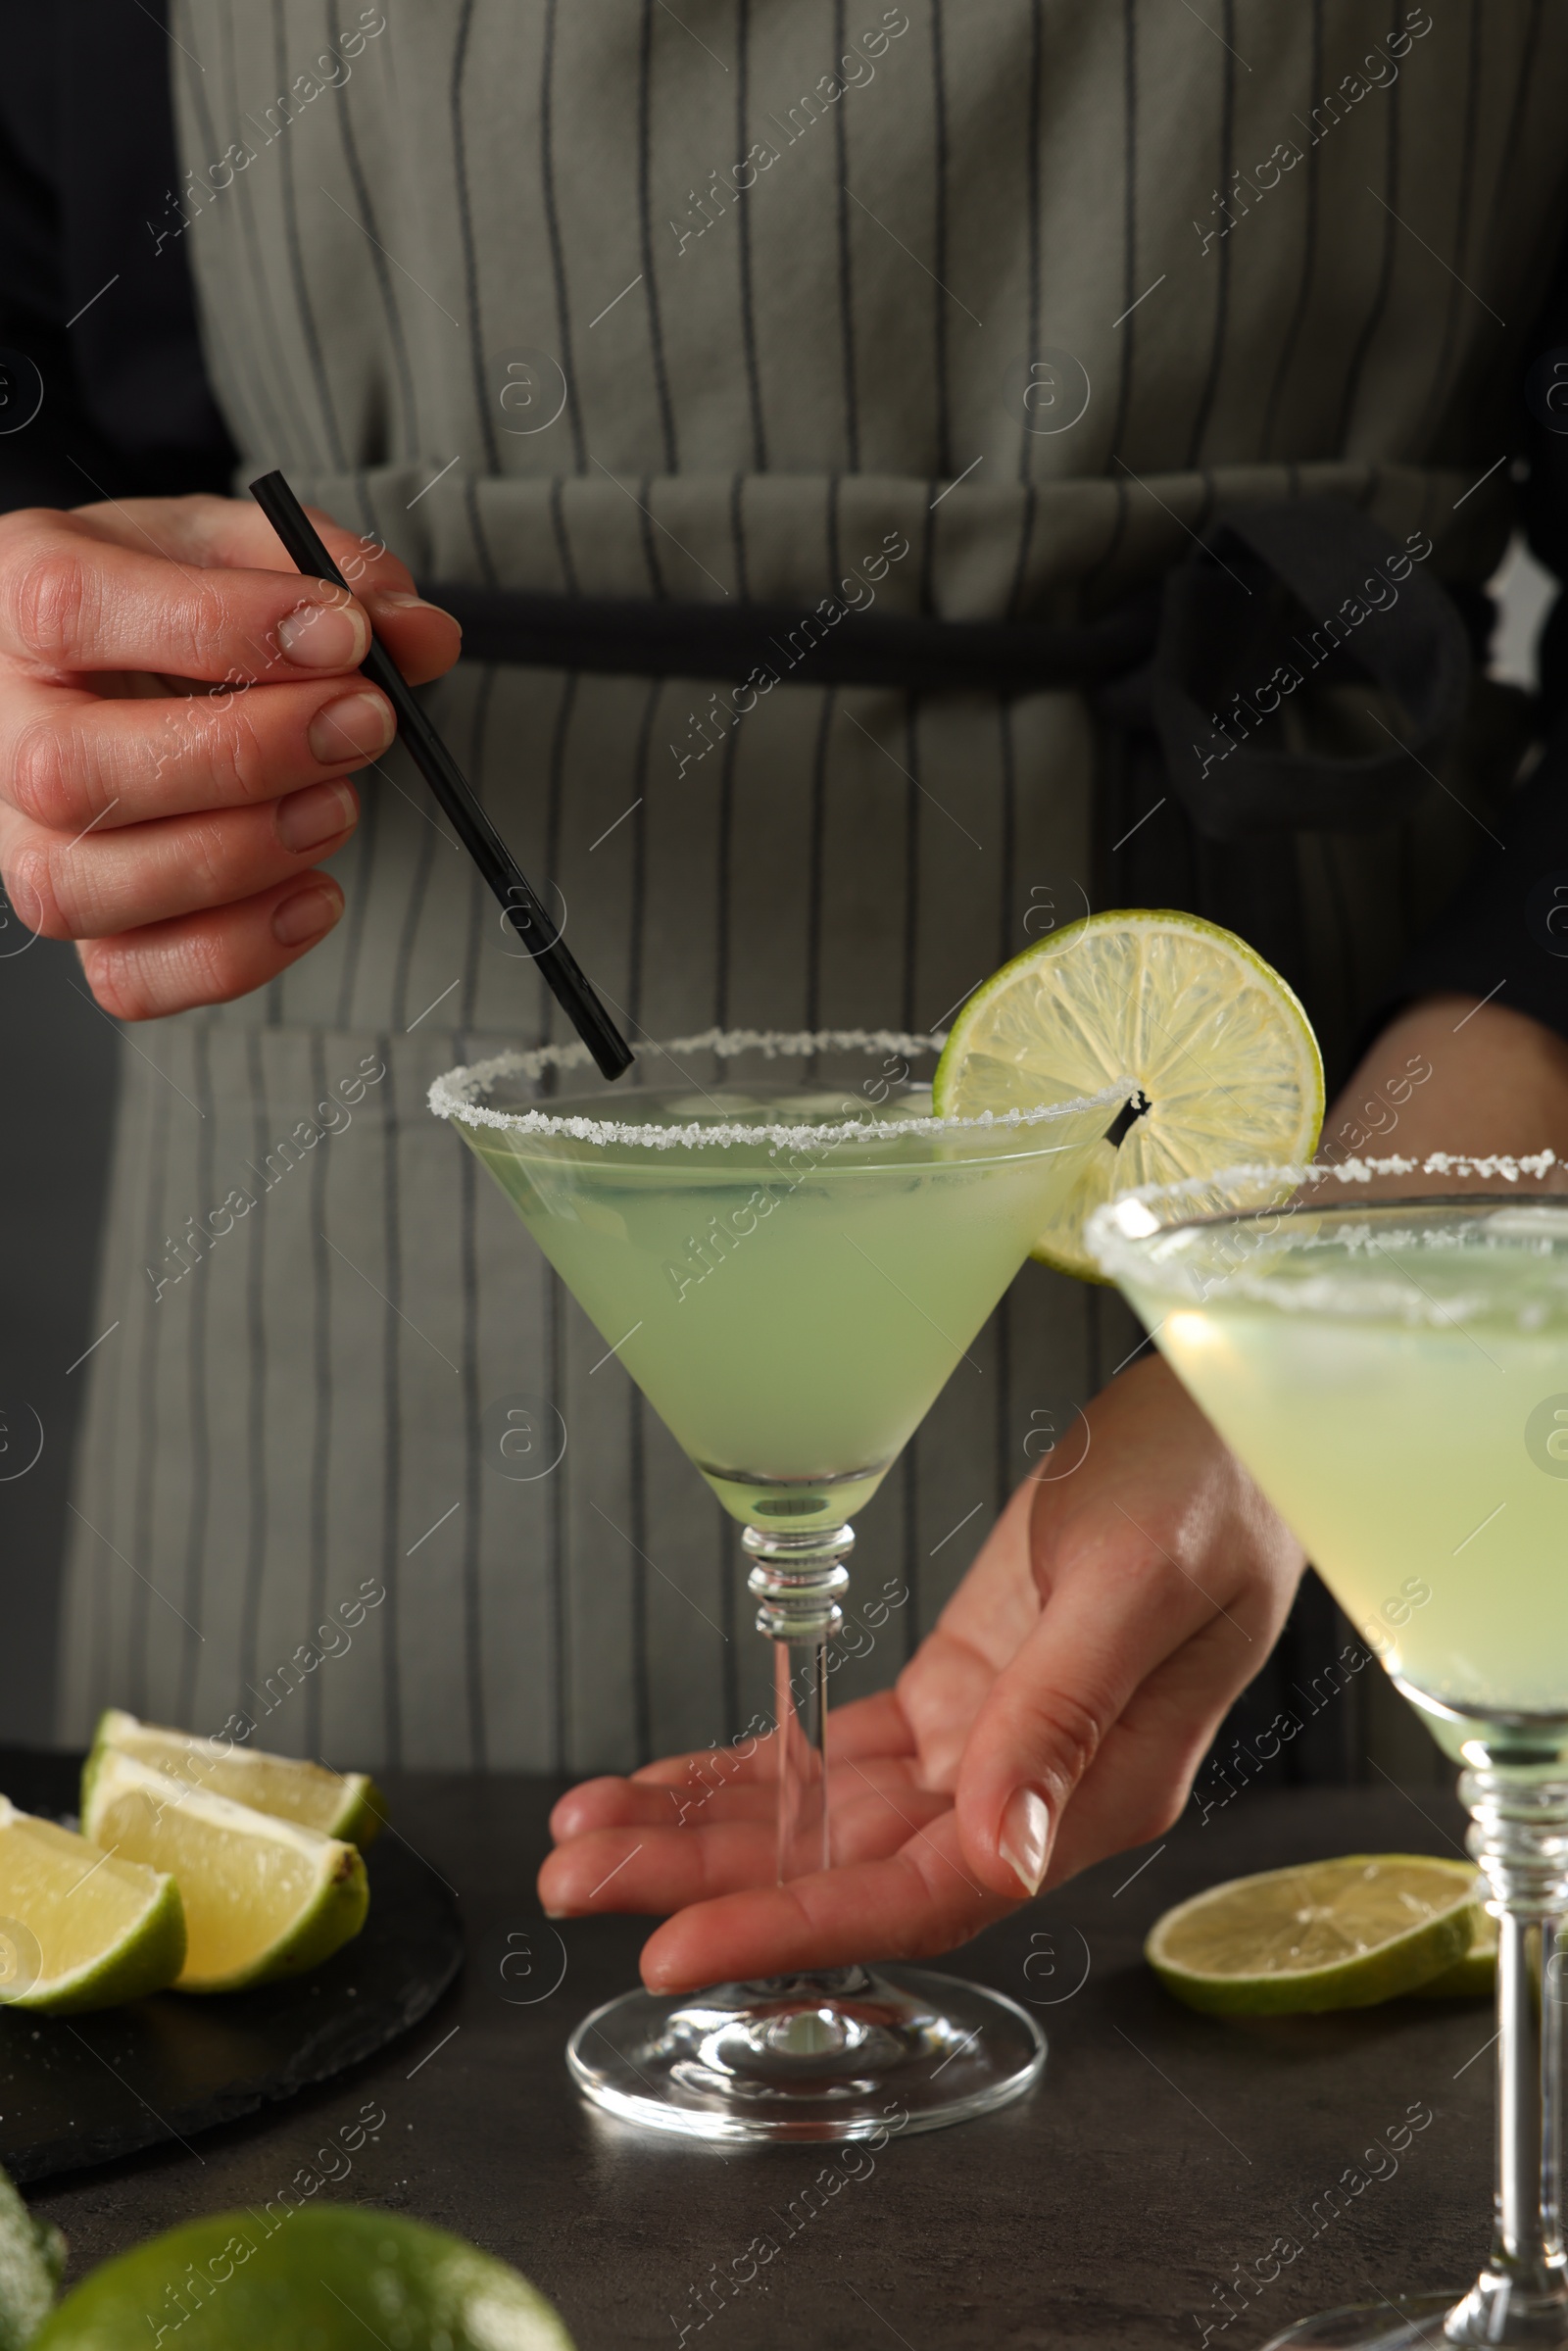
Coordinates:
[1393,1383]
[790,1310]
[1393,1371]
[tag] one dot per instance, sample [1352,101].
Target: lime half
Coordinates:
[338,1803]
[78,1927]
[1224,1057]
[314,2277]
[1325,1934]
[263,1898]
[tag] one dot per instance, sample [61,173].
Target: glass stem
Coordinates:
[1520,1838]
[798,1581]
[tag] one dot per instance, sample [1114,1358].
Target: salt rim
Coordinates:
[454,1094]
[1113,1243]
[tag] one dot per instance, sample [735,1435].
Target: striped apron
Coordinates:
[987,310]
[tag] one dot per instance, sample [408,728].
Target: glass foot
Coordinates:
[1433,2322]
[850,2054]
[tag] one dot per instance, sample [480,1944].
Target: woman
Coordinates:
[722,310]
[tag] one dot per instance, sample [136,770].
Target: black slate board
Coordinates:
[84,2089]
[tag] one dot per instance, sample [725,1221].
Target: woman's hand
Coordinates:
[171,829]
[1056,1714]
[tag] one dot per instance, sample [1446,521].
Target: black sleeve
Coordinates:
[1505,935]
[92,304]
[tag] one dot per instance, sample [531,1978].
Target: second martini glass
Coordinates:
[1385,1345]
[790,1268]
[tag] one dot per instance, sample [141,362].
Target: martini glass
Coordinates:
[1385,1345]
[790,1263]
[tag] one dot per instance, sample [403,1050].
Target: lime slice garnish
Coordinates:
[346,1805]
[263,1898]
[80,1929]
[1325,1934]
[32,2260]
[1475,1975]
[1217,1044]
[333,2277]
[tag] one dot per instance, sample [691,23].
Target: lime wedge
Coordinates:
[1475,1975]
[1327,1934]
[263,1898]
[1223,1054]
[339,1803]
[330,2276]
[79,1928]
[32,2258]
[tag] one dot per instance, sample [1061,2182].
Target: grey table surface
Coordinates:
[1163,2156]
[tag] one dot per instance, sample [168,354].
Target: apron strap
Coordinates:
[1279,600]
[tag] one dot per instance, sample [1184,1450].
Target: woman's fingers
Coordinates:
[866,1727]
[233,534]
[651,1804]
[612,1803]
[208,958]
[71,758]
[1137,1783]
[111,882]
[917,1901]
[73,601]
[1201,1573]
[643,1863]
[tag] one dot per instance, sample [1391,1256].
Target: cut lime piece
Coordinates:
[317,2277]
[263,1898]
[1217,1044]
[32,2260]
[1475,1975]
[1325,1934]
[339,1803]
[79,1928]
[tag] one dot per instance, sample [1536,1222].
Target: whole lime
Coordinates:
[313,2278]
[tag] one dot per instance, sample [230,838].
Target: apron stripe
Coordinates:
[1222,256]
[557,265]
[392,1398]
[256,1516]
[1033,127]
[473,1644]
[304,308]
[743,231]
[323,1433]
[941,356]
[841,135]
[1463,214]
[263,364]
[1379,299]
[408,438]
[200,1446]
[470,259]
[645,108]
[1128,327]
[1292,333]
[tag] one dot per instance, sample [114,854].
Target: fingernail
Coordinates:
[354,727]
[324,636]
[402,600]
[1025,1837]
[308,915]
[307,818]
[558,1914]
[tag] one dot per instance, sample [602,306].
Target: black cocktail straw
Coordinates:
[563,973]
